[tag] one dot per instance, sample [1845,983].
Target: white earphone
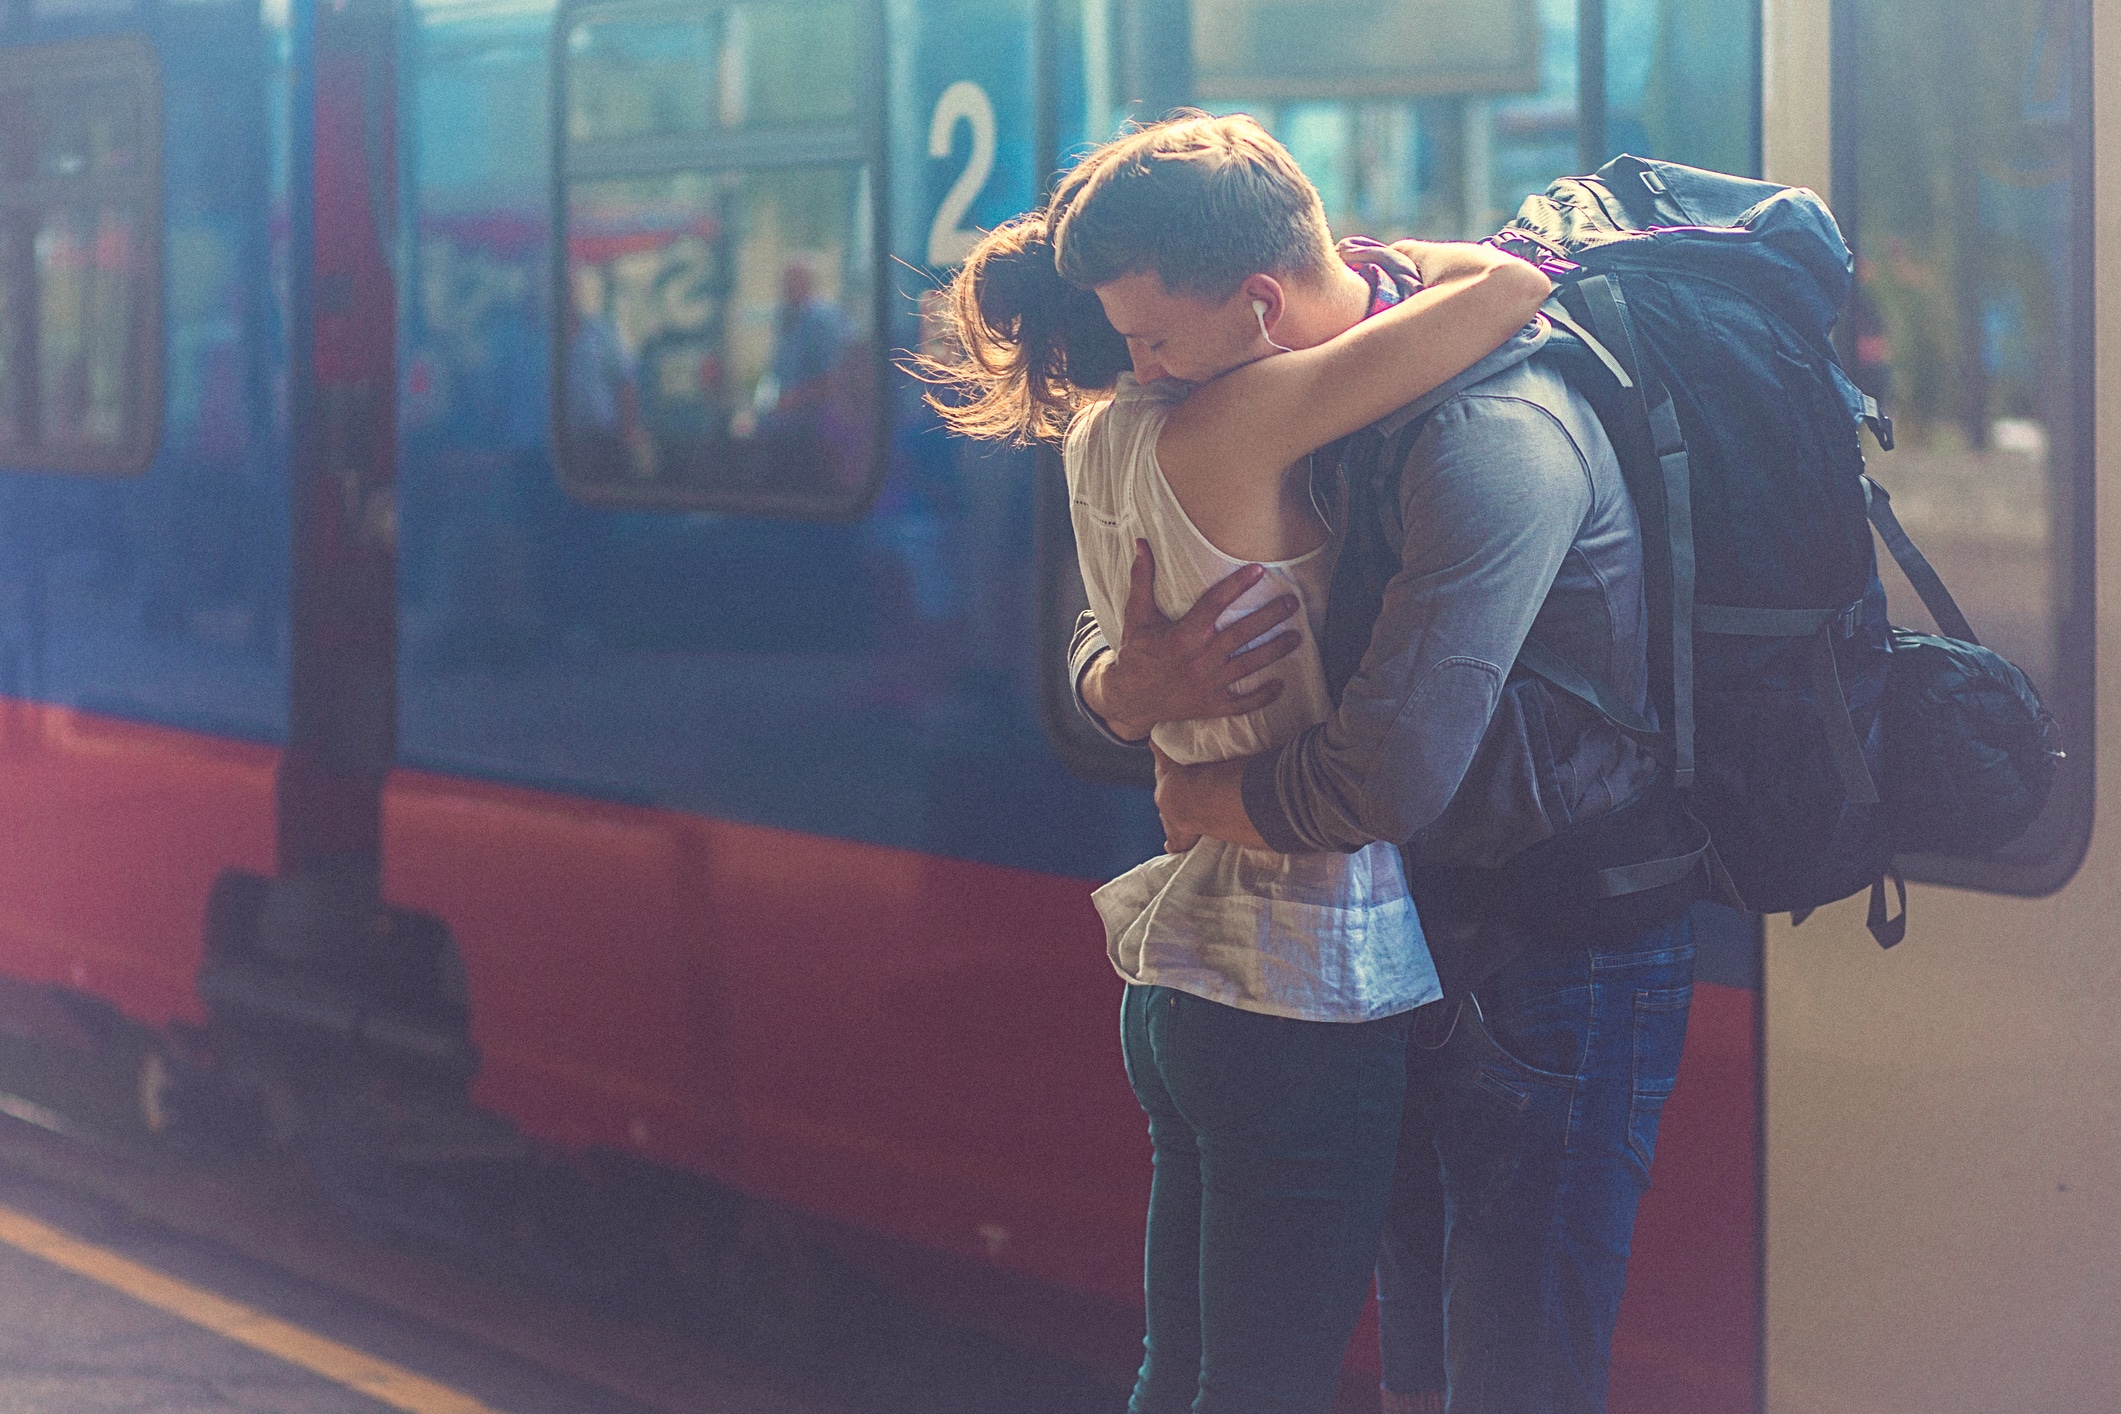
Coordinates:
[1259,310]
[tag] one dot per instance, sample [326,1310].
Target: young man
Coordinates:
[1486,513]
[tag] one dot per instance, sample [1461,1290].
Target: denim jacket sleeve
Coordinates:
[1492,497]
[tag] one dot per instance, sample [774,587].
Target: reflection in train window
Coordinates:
[1448,157]
[1964,180]
[655,73]
[1682,82]
[719,278]
[80,261]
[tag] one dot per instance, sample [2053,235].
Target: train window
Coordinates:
[80,266]
[1454,153]
[1964,172]
[641,77]
[634,75]
[1680,81]
[718,263]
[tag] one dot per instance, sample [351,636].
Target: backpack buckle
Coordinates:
[1849,620]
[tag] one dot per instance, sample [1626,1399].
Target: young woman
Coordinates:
[1178,316]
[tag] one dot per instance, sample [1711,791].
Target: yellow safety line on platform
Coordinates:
[343,1365]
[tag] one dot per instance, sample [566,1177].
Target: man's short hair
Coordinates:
[1203,202]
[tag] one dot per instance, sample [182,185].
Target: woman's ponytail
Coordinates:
[1029,348]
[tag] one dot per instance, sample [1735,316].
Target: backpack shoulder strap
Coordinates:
[1607,307]
[1368,468]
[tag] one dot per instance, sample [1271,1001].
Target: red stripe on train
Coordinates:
[927,1048]
[111,834]
[921,1047]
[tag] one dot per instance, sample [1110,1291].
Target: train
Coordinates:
[484,605]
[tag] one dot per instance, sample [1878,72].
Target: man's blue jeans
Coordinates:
[1531,1119]
[1274,1143]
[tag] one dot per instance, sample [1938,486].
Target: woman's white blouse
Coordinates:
[1318,937]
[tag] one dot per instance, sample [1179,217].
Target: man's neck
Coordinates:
[1323,309]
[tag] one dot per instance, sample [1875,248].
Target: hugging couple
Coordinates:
[1378,1012]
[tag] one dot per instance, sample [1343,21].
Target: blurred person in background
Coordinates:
[602,387]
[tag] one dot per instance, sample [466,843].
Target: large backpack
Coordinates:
[1694,313]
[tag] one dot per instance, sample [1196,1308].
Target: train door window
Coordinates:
[1964,173]
[80,257]
[718,262]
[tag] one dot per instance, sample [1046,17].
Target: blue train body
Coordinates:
[872,679]
[457,462]
[155,587]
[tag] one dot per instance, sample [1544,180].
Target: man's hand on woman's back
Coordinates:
[1182,670]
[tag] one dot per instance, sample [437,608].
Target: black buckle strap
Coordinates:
[1878,505]
[1536,657]
[1881,426]
[1889,931]
[1841,742]
[1624,879]
[1722,888]
[1863,407]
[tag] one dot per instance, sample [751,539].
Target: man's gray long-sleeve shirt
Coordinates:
[1511,512]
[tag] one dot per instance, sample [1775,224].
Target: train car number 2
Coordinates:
[950,239]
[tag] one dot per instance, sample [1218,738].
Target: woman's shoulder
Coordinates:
[1116,423]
